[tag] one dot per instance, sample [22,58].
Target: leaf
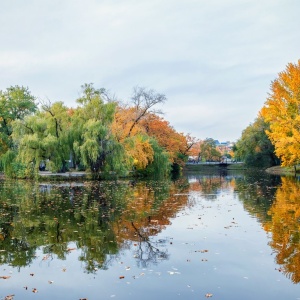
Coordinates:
[71,249]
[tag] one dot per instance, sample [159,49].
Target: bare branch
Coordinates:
[144,100]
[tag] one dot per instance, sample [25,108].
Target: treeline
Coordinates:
[101,135]
[274,137]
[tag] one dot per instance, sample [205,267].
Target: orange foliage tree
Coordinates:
[135,124]
[175,143]
[127,127]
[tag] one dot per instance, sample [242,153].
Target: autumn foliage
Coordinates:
[282,112]
[285,227]
[101,135]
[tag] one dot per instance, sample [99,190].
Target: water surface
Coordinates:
[219,236]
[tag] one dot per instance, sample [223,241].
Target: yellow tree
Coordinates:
[128,129]
[282,111]
[285,228]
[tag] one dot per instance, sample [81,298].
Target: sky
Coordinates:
[214,60]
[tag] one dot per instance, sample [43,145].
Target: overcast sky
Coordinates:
[214,60]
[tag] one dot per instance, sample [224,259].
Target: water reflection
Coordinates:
[100,218]
[210,186]
[257,190]
[284,224]
[275,202]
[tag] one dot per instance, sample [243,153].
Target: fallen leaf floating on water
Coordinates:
[71,249]
[208,295]
[9,297]
[46,257]
[5,277]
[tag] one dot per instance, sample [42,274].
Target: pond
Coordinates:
[220,236]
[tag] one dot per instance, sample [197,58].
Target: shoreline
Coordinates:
[278,170]
[275,170]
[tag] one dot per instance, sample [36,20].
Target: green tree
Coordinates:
[91,130]
[208,150]
[254,147]
[160,166]
[16,102]
[44,137]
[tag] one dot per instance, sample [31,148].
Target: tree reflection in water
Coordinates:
[91,216]
[275,202]
[148,251]
[100,220]
[285,228]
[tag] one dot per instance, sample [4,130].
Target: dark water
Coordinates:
[219,236]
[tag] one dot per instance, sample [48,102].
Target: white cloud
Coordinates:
[202,54]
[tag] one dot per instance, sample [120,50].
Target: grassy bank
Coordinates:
[278,170]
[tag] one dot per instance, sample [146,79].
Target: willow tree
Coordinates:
[282,112]
[44,138]
[160,166]
[16,102]
[93,142]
